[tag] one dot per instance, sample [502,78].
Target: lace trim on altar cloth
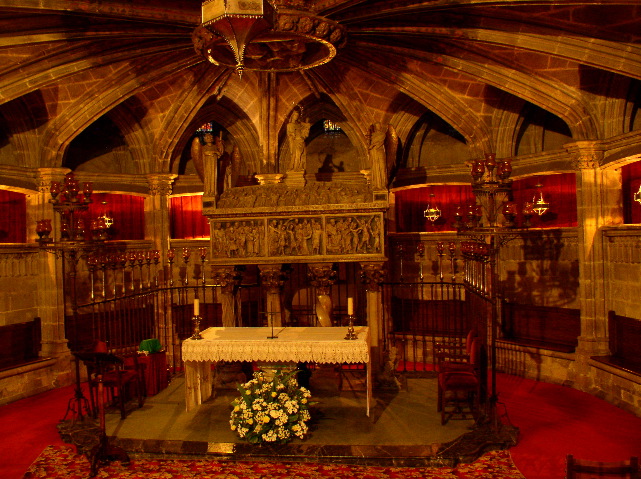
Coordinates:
[319,345]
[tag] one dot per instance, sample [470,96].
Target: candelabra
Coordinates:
[350,316]
[492,187]
[71,204]
[351,334]
[420,250]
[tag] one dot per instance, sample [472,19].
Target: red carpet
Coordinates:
[58,463]
[553,421]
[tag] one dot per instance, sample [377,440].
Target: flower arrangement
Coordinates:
[271,410]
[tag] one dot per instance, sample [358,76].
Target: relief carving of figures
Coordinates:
[297,132]
[205,158]
[353,235]
[269,196]
[294,236]
[237,239]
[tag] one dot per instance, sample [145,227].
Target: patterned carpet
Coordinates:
[62,462]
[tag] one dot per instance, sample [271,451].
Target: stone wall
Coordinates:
[18,285]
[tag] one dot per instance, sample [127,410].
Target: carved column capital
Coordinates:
[585,154]
[373,274]
[45,176]
[161,184]
[272,277]
[322,276]
[226,277]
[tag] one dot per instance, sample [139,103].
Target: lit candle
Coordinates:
[196,307]
[350,306]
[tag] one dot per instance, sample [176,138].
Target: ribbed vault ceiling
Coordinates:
[474,64]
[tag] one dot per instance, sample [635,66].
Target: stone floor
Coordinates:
[404,427]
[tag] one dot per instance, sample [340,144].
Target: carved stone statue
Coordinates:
[382,154]
[205,158]
[234,161]
[297,132]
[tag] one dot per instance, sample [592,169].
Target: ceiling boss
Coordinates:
[262,35]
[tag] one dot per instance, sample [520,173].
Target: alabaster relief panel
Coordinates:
[295,236]
[354,234]
[238,239]
[314,193]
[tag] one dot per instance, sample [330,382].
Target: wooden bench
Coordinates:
[546,327]
[19,344]
[624,339]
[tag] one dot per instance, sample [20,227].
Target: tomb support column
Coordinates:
[322,276]
[372,275]
[273,278]
[226,279]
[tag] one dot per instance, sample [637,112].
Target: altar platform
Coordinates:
[404,427]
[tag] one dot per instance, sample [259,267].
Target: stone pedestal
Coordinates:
[269,178]
[295,179]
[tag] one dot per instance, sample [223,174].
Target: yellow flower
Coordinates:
[266,419]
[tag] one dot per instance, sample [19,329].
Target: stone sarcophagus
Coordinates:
[321,222]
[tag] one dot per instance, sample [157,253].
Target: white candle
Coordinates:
[196,307]
[350,306]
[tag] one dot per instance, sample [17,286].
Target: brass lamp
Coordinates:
[432,212]
[539,205]
[637,195]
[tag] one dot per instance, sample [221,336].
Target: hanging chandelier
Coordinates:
[539,205]
[432,212]
[266,35]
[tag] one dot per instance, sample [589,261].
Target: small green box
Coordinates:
[150,345]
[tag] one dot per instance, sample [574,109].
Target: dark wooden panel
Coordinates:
[429,317]
[625,341]
[19,343]
[542,326]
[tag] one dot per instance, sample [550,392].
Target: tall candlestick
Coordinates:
[350,306]
[196,307]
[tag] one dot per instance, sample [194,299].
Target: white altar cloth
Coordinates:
[309,345]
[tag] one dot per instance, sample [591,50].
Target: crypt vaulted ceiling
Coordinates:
[118,87]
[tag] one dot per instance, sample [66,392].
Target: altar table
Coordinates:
[299,345]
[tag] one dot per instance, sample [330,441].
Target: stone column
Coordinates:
[157,226]
[322,276]
[50,293]
[50,296]
[590,181]
[226,278]
[272,278]
[157,229]
[372,275]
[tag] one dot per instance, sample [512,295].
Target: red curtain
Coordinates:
[127,211]
[13,217]
[559,190]
[631,178]
[186,218]
[411,203]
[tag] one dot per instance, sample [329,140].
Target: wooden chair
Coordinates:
[459,382]
[583,469]
[120,383]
